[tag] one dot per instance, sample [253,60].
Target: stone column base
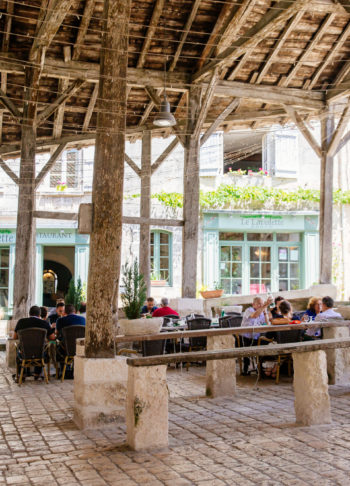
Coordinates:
[338,360]
[220,373]
[147,407]
[11,353]
[99,391]
[312,404]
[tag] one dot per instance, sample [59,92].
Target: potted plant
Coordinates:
[133,298]
[75,294]
[214,293]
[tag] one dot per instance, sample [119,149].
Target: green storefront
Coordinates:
[61,254]
[252,252]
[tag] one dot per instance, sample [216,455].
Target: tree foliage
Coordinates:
[75,294]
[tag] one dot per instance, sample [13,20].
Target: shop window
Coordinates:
[295,237]
[161,261]
[4,276]
[227,236]
[259,269]
[65,172]
[231,269]
[288,268]
[260,236]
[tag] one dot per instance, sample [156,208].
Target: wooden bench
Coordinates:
[147,392]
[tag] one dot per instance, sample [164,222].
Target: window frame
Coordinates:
[156,255]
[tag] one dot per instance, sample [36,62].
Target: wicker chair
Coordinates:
[234,320]
[193,316]
[70,335]
[284,337]
[197,343]
[31,351]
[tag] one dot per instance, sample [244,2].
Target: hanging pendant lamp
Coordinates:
[164,118]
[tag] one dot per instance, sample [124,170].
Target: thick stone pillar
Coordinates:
[312,404]
[220,373]
[107,194]
[147,407]
[326,202]
[338,360]
[191,197]
[145,209]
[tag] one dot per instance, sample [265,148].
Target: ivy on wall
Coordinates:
[230,196]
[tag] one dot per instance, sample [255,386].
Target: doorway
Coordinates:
[57,272]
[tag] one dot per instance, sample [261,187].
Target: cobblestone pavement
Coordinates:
[250,440]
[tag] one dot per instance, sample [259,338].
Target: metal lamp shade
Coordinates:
[164,118]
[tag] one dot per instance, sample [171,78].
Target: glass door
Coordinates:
[288,268]
[259,269]
[231,268]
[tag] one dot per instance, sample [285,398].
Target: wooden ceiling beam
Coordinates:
[343,122]
[170,148]
[184,34]
[330,56]
[55,14]
[274,19]
[52,107]
[277,47]
[205,105]
[227,11]
[221,118]
[9,171]
[83,28]
[310,47]
[304,130]
[90,108]
[49,164]
[132,164]
[63,85]
[8,103]
[157,12]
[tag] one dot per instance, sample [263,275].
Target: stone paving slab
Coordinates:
[249,440]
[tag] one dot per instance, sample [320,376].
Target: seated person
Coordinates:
[149,307]
[286,313]
[314,307]
[275,312]
[254,316]
[164,309]
[327,314]
[82,309]
[44,313]
[59,313]
[70,319]
[34,320]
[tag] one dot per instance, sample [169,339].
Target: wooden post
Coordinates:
[326,202]
[191,197]
[145,209]
[107,195]
[24,276]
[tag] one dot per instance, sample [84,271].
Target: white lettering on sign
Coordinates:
[57,236]
[7,238]
[261,222]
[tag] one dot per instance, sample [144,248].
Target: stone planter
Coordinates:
[211,294]
[132,327]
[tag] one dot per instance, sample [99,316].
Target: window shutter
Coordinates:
[281,154]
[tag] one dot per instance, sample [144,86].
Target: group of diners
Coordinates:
[63,316]
[258,314]
[151,309]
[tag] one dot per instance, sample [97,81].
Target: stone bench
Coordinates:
[147,392]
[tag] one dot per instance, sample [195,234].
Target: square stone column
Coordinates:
[220,373]
[338,360]
[147,407]
[312,404]
[99,391]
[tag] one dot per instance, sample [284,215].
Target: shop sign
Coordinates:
[261,221]
[48,237]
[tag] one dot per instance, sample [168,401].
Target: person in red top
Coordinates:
[164,309]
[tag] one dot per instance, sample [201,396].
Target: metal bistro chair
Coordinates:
[234,320]
[284,337]
[152,348]
[31,351]
[193,316]
[70,335]
[197,343]
[169,318]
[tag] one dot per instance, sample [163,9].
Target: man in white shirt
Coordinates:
[327,314]
[254,316]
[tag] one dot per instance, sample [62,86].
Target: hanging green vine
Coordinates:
[229,196]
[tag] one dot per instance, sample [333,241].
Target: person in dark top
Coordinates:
[70,319]
[286,310]
[275,312]
[44,313]
[34,320]
[149,307]
[60,311]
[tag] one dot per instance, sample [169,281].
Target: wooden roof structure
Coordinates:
[257,61]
